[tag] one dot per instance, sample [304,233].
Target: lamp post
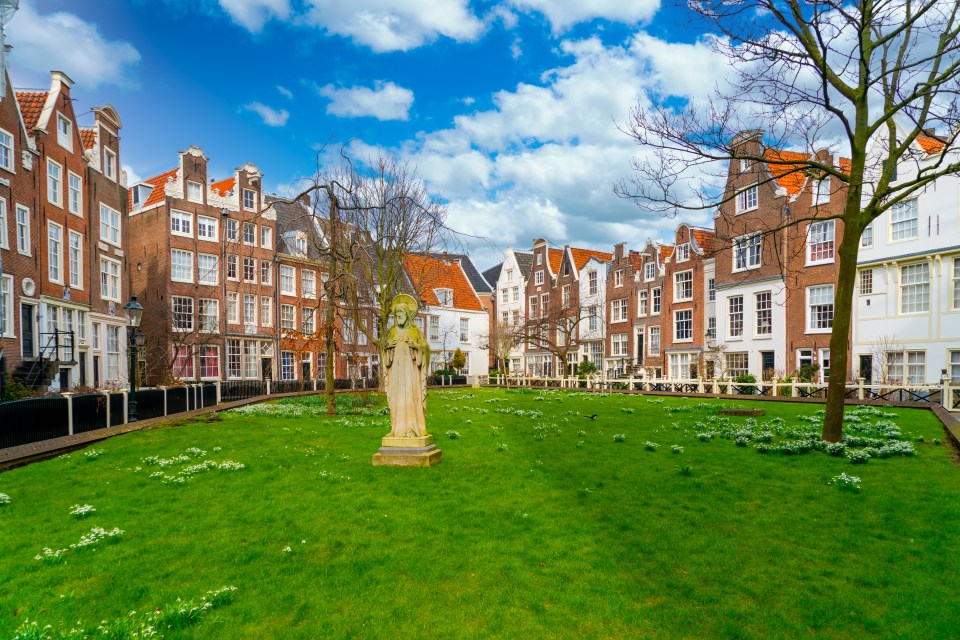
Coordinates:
[135,339]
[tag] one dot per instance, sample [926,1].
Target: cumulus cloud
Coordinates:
[271,117]
[395,25]
[563,14]
[253,14]
[543,159]
[385,101]
[64,41]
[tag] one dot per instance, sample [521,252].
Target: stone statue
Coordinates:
[407,359]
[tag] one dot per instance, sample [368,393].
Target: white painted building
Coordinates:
[510,290]
[591,332]
[906,311]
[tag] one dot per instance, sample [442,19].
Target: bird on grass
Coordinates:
[593,417]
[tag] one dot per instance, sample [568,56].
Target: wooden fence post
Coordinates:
[106,395]
[69,397]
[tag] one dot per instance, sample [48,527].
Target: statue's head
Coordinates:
[404,309]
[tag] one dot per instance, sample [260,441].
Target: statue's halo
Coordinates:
[407,301]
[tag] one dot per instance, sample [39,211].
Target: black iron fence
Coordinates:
[32,420]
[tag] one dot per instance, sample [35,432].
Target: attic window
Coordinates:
[539,258]
[64,132]
[194,192]
[744,165]
[445,297]
[249,199]
[648,272]
[683,252]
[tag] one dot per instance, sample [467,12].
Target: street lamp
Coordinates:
[135,339]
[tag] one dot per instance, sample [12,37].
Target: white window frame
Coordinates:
[208,229]
[4,234]
[266,311]
[811,293]
[747,199]
[7,322]
[307,275]
[233,307]
[653,341]
[618,310]
[866,238]
[75,275]
[592,283]
[22,215]
[107,229]
[744,244]
[250,304]
[253,199]
[233,229]
[648,272]
[64,133]
[55,184]
[181,223]
[288,318]
[288,275]
[112,279]
[687,282]
[909,212]
[538,278]
[211,275]
[618,278]
[188,323]
[110,164]
[642,303]
[759,327]
[821,235]
[252,271]
[194,191]
[173,270]
[918,305]
[865,284]
[253,234]
[266,272]
[956,284]
[686,317]
[735,312]
[74,208]
[822,191]
[55,277]
[266,237]
[204,307]
[683,252]
[8,159]
[464,330]
[656,301]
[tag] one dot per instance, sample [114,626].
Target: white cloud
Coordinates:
[253,14]
[543,160]
[132,176]
[286,93]
[271,117]
[395,25]
[65,42]
[563,14]
[386,101]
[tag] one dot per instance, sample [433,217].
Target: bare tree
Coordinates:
[501,339]
[877,77]
[558,328]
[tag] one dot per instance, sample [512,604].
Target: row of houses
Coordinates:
[754,294]
[232,280]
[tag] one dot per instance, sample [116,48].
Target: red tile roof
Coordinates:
[705,239]
[665,251]
[159,189]
[31,105]
[581,256]
[433,273]
[88,138]
[789,176]
[636,260]
[930,144]
[224,186]
[845,164]
[555,256]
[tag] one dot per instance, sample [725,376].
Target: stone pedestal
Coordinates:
[418,451]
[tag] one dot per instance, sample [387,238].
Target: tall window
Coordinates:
[544,305]
[746,253]
[288,317]
[6,306]
[683,324]
[109,225]
[266,272]
[618,310]
[648,272]
[23,230]
[6,151]
[735,315]
[249,233]
[208,268]
[538,278]
[820,242]
[233,307]
[287,280]
[747,200]
[954,361]
[109,279]
[54,183]
[266,312]
[915,288]
[822,195]
[593,318]
[904,221]
[683,252]
[249,199]
[249,309]
[182,313]
[308,320]
[209,361]
[655,302]
[181,265]
[233,227]
[592,283]
[711,289]
[233,263]
[464,330]
[233,358]
[956,283]
[249,270]
[64,132]
[74,194]
[110,164]
[820,307]
[266,237]
[183,362]
[208,311]
[654,335]
[866,238]
[764,303]
[194,191]
[434,328]
[55,252]
[113,352]
[683,286]
[642,303]
[618,344]
[565,295]
[308,281]
[75,260]
[712,327]
[618,278]
[866,282]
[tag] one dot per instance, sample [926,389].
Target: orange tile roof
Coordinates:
[636,260]
[433,273]
[224,186]
[665,251]
[31,105]
[158,182]
[581,256]
[789,176]
[930,144]
[845,164]
[706,240]
[88,138]
[555,256]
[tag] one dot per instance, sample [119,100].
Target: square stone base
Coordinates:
[408,456]
[391,442]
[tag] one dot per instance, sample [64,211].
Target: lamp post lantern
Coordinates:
[134,339]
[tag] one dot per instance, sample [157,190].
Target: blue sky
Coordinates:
[506,108]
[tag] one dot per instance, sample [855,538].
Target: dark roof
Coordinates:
[294,216]
[525,262]
[492,274]
[479,283]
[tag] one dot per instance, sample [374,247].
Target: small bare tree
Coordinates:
[501,339]
[870,78]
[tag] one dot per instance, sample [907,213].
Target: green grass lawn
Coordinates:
[538,523]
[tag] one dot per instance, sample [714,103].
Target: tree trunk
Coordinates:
[840,338]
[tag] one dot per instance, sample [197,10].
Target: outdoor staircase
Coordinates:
[37,373]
